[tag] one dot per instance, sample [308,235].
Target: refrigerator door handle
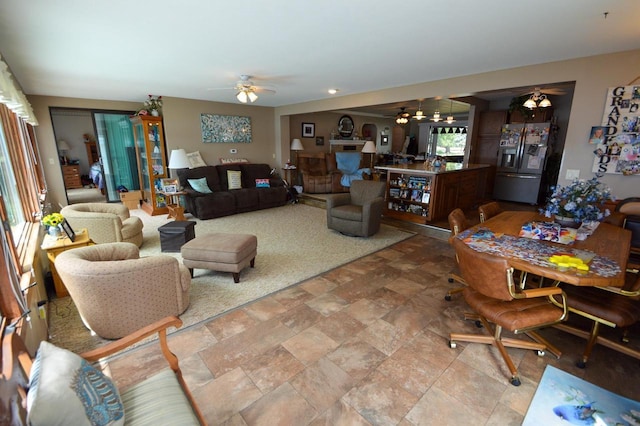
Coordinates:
[520,176]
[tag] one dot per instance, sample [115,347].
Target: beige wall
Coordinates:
[182,130]
[273,129]
[593,75]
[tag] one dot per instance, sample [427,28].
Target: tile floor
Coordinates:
[366,343]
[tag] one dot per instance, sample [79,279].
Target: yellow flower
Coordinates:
[53,219]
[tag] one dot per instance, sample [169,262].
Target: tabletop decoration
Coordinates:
[52,222]
[580,201]
[153,106]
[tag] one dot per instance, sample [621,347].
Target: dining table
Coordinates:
[605,251]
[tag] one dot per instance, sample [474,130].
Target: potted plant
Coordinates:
[52,222]
[580,201]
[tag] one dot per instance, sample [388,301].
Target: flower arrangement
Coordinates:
[53,219]
[582,200]
[153,103]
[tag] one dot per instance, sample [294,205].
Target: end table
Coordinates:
[54,246]
[176,211]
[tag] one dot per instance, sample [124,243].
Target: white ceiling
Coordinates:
[125,50]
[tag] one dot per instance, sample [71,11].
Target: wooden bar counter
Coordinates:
[420,194]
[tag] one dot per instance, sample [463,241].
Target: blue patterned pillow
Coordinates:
[66,389]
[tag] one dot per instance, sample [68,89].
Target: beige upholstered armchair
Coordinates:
[106,223]
[359,212]
[117,292]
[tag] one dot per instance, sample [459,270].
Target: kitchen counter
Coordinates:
[420,194]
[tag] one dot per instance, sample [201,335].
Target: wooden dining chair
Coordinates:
[630,208]
[611,306]
[488,210]
[499,303]
[457,223]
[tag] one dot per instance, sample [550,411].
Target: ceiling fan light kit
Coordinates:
[537,100]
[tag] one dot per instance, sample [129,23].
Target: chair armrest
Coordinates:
[336,200]
[159,327]
[540,292]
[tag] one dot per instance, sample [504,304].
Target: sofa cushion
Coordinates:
[251,172]
[208,172]
[234,179]
[200,185]
[195,159]
[66,389]
[222,174]
[262,183]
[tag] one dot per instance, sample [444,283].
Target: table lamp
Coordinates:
[296,145]
[63,147]
[369,148]
[178,159]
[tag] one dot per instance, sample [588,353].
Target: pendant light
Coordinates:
[403,117]
[436,114]
[419,113]
[450,118]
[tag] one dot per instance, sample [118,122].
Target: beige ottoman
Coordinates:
[220,252]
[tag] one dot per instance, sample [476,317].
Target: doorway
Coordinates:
[97,153]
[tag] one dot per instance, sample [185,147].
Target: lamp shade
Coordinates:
[178,159]
[63,146]
[369,147]
[296,145]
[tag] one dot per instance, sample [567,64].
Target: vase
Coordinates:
[566,222]
[155,113]
[54,231]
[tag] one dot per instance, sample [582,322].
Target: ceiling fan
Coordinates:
[538,98]
[246,89]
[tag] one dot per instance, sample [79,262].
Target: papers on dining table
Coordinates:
[548,231]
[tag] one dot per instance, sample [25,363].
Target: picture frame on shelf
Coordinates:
[169,185]
[319,140]
[68,230]
[308,130]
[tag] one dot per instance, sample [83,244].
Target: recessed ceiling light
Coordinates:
[333,91]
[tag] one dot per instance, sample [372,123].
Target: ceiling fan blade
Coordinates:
[263,90]
[221,88]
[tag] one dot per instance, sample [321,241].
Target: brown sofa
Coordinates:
[320,173]
[222,201]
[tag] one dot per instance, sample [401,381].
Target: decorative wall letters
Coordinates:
[619,152]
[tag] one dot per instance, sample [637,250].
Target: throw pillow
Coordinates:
[262,183]
[196,159]
[200,185]
[233,160]
[66,389]
[235,179]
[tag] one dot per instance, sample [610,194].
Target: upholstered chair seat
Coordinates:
[359,212]
[105,222]
[117,292]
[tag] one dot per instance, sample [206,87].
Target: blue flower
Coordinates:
[582,200]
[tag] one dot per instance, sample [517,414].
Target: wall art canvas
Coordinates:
[619,151]
[225,128]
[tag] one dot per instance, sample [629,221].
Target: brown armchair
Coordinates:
[117,292]
[359,212]
[610,306]
[320,173]
[457,223]
[496,299]
[488,210]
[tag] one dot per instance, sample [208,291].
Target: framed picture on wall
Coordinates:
[384,139]
[320,140]
[308,130]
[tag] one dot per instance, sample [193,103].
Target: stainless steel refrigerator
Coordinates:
[521,161]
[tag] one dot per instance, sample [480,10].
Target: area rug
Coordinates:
[294,244]
[562,399]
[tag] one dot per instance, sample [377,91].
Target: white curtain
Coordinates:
[12,96]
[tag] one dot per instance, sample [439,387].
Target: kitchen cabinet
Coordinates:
[152,167]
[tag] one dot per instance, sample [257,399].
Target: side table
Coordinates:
[290,174]
[54,246]
[176,211]
[174,235]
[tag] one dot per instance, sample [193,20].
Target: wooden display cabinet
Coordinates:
[152,167]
